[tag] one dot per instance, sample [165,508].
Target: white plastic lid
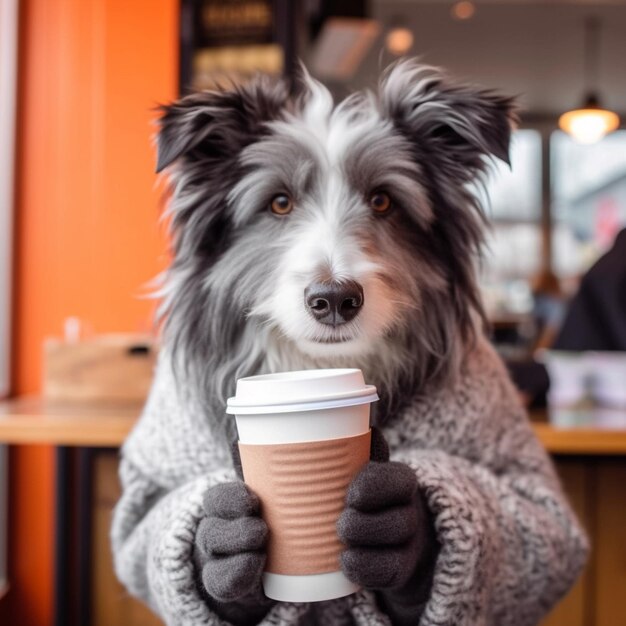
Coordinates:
[304,390]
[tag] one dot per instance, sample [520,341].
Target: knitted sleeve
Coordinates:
[152,537]
[510,545]
[168,462]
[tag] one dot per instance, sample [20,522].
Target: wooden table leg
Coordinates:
[84,532]
[61,534]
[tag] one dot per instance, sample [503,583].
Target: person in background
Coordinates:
[549,307]
[529,376]
[596,318]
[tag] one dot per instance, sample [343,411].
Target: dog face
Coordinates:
[337,231]
[328,189]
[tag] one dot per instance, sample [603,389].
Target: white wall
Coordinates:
[8,97]
[8,86]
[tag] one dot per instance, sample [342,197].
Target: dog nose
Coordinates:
[334,303]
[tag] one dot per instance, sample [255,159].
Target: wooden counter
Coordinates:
[581,440]
[35,421]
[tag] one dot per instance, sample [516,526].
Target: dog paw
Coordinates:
[231,542]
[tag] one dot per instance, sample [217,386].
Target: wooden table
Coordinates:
[35,421]
[31,420]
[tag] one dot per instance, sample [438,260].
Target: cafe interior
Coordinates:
[82,239]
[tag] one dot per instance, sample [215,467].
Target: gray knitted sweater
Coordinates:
[510,545]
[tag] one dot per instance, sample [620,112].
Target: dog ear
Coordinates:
[455,124]
[218,123]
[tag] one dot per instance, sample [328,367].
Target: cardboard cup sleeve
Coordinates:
[302,488]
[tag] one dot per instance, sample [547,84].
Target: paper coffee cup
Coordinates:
[303,437]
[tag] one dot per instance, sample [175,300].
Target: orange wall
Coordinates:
[87,233]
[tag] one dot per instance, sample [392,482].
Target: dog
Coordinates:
[308,234]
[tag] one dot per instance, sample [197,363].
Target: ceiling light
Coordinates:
[399,40]
[463,10]
[590,122]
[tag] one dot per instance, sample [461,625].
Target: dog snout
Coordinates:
[334,303]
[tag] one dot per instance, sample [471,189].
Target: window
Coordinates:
[515,192]
[588,207]
[513,204]
[588,199]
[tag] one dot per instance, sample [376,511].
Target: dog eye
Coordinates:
[380,202]
[281,204]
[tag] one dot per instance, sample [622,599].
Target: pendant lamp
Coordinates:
[591,121]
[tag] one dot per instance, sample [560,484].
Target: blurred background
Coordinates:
[80,239]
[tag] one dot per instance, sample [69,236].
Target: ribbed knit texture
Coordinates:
[510,545]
